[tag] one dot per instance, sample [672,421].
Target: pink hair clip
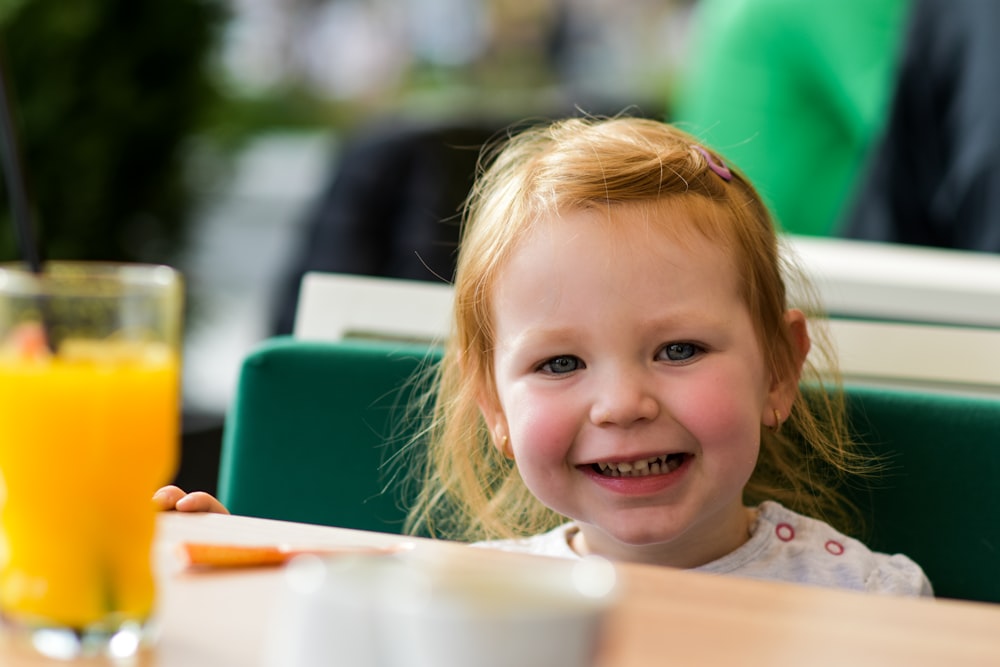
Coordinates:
[718,167]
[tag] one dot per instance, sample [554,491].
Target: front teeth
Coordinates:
[654,465]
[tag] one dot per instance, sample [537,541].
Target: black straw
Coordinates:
[23,228]
[14,176]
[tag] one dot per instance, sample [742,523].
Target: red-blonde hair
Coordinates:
[468,490]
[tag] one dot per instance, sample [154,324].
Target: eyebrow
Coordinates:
[687,319]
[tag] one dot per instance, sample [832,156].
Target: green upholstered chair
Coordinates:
[938,500]
[314,426]
[312,430]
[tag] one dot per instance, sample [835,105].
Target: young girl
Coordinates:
[623,357]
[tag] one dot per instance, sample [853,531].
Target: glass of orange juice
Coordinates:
[89,420]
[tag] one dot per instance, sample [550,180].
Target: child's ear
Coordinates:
[798,327]
[785,389]
[496,422]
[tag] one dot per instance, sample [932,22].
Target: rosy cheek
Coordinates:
[540,430]
[717,412]
[543,434]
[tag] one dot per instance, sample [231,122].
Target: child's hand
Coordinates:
[172,498]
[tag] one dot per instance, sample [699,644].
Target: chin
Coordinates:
[639,536]
[643,539]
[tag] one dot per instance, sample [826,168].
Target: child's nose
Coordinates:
[624,398]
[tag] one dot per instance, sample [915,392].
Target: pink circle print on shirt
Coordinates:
[786,533]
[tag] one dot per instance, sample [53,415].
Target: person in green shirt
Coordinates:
[795,93]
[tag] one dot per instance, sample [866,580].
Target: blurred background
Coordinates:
[204,133]
[249,141]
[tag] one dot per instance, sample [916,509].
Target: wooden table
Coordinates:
[664,617]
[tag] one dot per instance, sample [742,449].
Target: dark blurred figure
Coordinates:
[935,176]
[392,208]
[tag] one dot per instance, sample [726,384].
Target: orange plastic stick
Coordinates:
[201,554]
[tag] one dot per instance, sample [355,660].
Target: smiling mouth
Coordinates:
[654,465]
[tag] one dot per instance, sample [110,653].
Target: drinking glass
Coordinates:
[89,420]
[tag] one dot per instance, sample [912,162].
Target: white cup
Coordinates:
[428,610]
[326,615]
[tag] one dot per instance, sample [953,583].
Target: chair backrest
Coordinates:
[334,306]
[315,426]
[937,500]
[890,303]
[313,429]
[892,351]
[903,283]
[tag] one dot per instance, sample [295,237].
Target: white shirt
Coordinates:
[783,546]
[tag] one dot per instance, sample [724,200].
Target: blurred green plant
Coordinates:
[106,95]
[239,116]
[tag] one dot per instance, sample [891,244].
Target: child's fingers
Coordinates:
[199,501]
[166,498]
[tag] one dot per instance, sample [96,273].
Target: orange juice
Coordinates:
[86,436]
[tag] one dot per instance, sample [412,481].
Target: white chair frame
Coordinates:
[900,316]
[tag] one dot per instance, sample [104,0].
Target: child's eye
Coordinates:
[559,365]
[679,351]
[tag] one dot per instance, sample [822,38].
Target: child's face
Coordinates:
[616,345]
